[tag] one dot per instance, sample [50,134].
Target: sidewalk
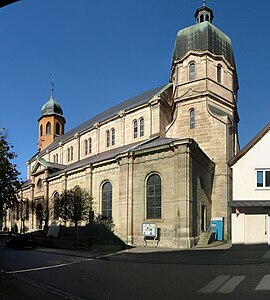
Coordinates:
[219,254]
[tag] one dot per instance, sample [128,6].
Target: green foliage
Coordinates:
[107,222]
[9,176]
[74,205]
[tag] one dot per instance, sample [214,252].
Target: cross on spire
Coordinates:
[204,2]
[52,88]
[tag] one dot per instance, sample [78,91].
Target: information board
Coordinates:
[149,229]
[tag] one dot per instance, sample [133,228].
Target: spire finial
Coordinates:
[204,2]
[52,88]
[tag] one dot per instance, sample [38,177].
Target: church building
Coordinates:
[159,158]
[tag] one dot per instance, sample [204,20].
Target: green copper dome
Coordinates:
[203,36]
[51,107]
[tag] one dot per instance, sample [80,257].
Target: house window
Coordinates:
[263,178]
[85,147]
[141,127]
[90,145]
[113,136]
[48,128]
[219,69]
[153,197]
[107,138]
[107,200]
[192,118]
[192,71]
[135,129]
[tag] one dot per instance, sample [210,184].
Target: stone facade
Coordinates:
[184,132]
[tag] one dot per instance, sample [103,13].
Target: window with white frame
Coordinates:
[263,178]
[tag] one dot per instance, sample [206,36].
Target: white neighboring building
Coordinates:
[251,192]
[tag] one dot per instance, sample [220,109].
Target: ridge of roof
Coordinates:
[113,111]
[249,145]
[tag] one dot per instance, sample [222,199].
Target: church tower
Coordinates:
[51,123]
[205,86]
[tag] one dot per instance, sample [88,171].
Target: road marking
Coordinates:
[231,284]
[267,254]
[214,284]
[264,284]
[45,268]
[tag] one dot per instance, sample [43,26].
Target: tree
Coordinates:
[74,205]
[9,176]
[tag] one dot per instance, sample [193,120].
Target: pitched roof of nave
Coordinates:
[149,144]
[107,114]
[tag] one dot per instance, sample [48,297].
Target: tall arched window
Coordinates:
[56,205]
[113,136]
[85,147]
[90,145]
[192,71]
[107,200]
[192,118]
[41,130]
[219,70]
[68,154]
[48,128]
[141,127]
[57,128]
[153,197]
[71,153]
[107,138]
[135,129]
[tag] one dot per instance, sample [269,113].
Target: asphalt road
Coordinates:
[73,277]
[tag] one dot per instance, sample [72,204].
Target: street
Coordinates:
[74,277]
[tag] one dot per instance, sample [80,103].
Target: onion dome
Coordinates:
[51,107]
[203,36]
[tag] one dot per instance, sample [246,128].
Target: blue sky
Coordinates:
[102,52]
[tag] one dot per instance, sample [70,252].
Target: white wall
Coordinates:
[244,175]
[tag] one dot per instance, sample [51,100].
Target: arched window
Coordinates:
[71,153]
[90,145]
[153,197]
[107,138]
[27,209]
[113,136]
[107,200]
[192,118]
[68,154]
[56,204]
[56,158]
[39,183]
[201,18]
[41,130]
[135,129]
[48,128]
[57,128]
[141,127]
[219,70]
[85,147]
[207,18]
[192,71]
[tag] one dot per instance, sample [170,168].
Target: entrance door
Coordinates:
[203,217]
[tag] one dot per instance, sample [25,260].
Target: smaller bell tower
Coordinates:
[51,124]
